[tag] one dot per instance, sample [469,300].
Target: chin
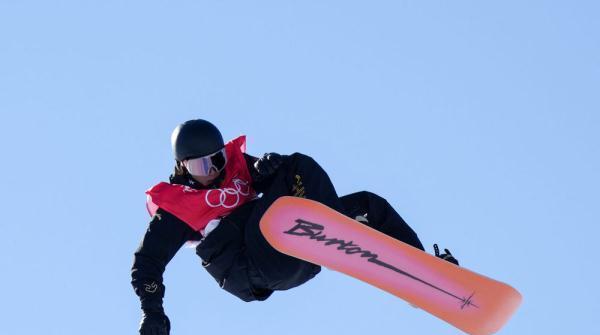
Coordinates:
[207,182]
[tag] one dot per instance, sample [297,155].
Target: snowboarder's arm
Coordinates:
[164,237]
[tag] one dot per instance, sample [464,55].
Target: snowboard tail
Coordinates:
[311,231]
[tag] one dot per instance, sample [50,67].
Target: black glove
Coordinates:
[267,165]
[155,322]
[447,256]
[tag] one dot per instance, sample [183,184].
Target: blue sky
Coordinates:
[479,122]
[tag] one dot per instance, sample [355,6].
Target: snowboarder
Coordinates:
[216,196]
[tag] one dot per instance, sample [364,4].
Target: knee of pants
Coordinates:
[371,199]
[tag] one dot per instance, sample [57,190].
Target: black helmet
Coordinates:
[195,138]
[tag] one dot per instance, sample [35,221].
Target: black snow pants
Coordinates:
[381,216]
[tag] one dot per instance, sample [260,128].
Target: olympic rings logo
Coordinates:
[229,197]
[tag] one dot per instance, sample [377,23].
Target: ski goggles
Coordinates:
[205,165]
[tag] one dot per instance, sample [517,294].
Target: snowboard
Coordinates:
[311,231]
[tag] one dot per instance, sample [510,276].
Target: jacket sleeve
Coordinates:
[163,238]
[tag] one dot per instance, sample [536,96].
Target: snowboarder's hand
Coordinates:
[446,256]
[155,323]
[267,165]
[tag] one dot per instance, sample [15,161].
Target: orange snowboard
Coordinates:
[311,231]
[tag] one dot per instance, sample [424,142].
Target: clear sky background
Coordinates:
[478,121]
